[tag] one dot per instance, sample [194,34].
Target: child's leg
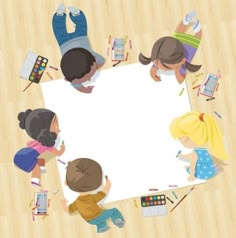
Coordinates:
[59,25]
[79,19]
[36,174]
[183,25]
[115,216]
[41,163]
[197,29]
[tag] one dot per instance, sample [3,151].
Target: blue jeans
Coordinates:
[60,31]
[101,220]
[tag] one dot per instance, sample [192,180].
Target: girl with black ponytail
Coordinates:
[42,126]
[175,53]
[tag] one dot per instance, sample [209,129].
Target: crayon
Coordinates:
[127,54]
[61,161]
[182,198]
[53,67]
[169,199]
[116,63]
[209,99]
[198,86]
[49,76]
[174,194]
[218,115]
[181,92]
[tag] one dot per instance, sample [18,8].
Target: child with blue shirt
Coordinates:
[79,62]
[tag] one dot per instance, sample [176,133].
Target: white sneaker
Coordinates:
[35,182]
[43,170]
[74,11]
[61,9]
[189,17]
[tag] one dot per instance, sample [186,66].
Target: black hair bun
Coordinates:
[22,118]
[47,138]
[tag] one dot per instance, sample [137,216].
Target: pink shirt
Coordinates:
[39,147]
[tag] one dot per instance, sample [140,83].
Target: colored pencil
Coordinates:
[61,161]
[181,92]
[182,199]
[49,75]
[178,153]
[35,207]
[53,67]
[198,86]
[198,92]
[174,194]
[127,54]
[153,189]
[109,39]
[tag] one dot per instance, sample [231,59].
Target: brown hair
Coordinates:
[169,51]
[76,62]
[83,175]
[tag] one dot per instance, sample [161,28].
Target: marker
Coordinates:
[127,54]
[130,44]
[169,200]
[53,67]
[181,92]
[153,189]
[218,115]
[174,194]
[116,63]
[178,153]
[198,86]
[182,199]
[61,161]
[49,202]
[209,99]
[49,76]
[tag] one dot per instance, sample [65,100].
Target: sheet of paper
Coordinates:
[124,125]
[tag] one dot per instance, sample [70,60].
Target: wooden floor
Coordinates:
[210,209]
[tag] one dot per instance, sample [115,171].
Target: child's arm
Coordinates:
[153,73]
[83,89]
[180,78]
[57,152]
[107,186]
[100,65]
[193,161]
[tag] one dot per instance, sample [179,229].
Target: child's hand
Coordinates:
[191,178]
[88,89]
[181,156]
[64,205]
[62,150]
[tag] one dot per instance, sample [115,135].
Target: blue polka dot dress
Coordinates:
[204,167]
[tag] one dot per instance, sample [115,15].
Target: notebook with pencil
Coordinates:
[40,203]
[118,49]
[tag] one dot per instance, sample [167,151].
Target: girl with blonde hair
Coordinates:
[195,131]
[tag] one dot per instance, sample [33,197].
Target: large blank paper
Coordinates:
[124,125]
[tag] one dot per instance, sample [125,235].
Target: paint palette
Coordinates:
[33,67]
[154,205]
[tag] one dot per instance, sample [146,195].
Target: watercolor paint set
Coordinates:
[154,205]
[33,67]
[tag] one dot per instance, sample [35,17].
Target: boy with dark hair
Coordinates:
[79,62]
[85,176]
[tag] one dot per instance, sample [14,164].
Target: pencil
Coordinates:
[116,63]
[182,199]
[61,161]
[218,115]
[209,99]
[175,194]
[169,199]
[198,92]
[49,76]
[28,85]
[178,153]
